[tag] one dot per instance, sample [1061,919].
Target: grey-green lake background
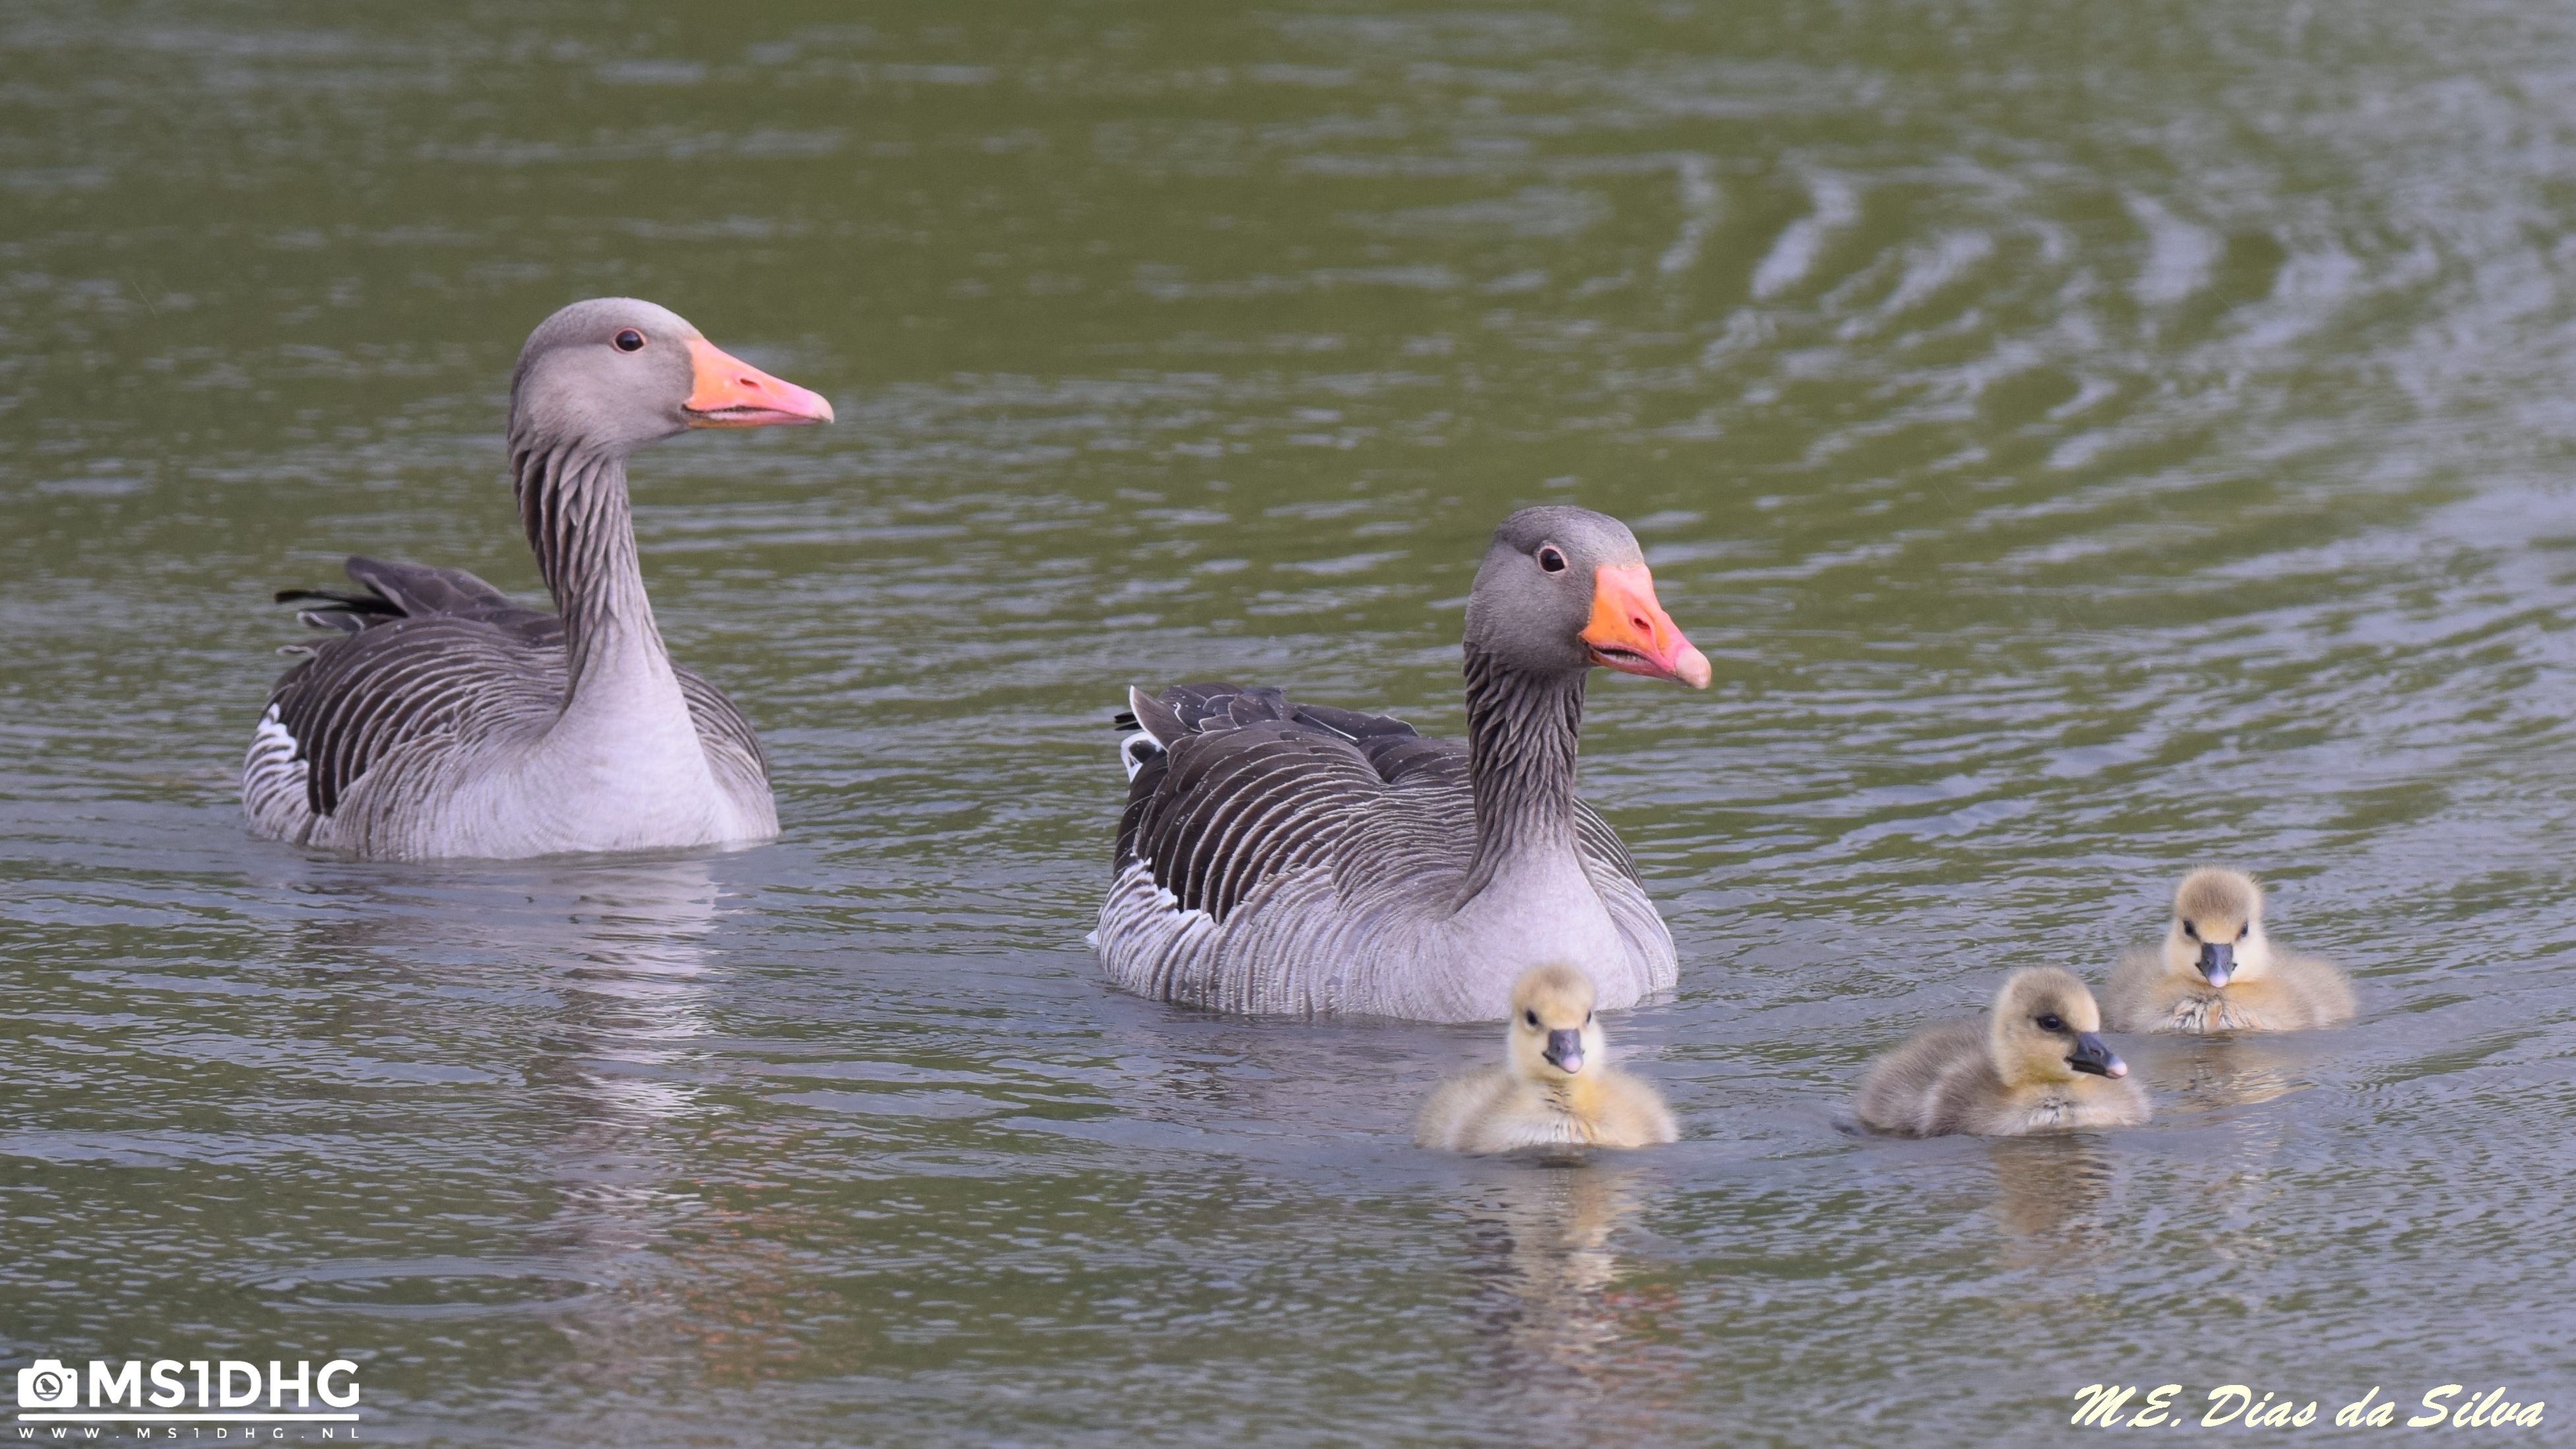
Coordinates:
[2091,439]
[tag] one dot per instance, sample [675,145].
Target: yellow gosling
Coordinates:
[2217,971]
[2035,1066]
[1554,1089]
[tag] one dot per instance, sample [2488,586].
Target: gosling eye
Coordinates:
[2191,930]
[630,340]
[1587,1018]
[1551,558]
[2051,1021]
[2245,930]
[1530,1016]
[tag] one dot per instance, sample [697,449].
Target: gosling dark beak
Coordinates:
[2217,962]
[2092,1056]
[1565,1051]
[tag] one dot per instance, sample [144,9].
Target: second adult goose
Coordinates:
[448,720]
[1279,857]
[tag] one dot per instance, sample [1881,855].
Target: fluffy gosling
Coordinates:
[2034,1066]
[2217,971]
[1554,1088]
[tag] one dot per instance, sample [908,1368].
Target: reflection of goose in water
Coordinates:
[623,941]
[1553,1314]
[2047,1190]
[586,987]
[2210,1073]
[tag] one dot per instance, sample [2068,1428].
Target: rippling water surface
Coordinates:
[2091,440]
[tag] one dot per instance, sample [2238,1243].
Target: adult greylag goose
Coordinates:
[2036,1064]
[1555,1088]
[2216,970]
[1288,858]
[447,720]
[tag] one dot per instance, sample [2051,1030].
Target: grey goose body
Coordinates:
[1284,858]
[441,718]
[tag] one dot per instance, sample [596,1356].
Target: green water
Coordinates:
[2089,439]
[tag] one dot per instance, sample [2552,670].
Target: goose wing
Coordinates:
[425,651]
[1241,784]
[431,651]
[1234,785]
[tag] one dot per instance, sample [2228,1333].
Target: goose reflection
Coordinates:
[619,945]
[2213,1072]
[2049,1195]
[1559,1321]
[585,986]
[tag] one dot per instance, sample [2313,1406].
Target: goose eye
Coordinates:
[1530,1016]
[2245,930]
[1551,558]
[2190,930]
[630,340]
[2052,1022]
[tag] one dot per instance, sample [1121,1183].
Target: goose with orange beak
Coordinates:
[441,718]
[1285,858]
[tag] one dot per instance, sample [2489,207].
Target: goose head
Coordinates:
[2217,933]
[1563,589]
[2046,1030]
[615,373]
[1553,1035]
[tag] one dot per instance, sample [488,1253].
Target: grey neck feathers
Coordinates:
[1521,731]
[573,502]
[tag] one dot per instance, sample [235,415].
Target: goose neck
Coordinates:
[1521,736]
[573,503]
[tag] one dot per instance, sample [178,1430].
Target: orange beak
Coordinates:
[1630,632]
[734,394]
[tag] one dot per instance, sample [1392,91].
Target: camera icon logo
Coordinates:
[49,1384]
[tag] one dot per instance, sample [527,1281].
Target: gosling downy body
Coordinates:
[2034,1065]
[1555,1087]
[2217,971]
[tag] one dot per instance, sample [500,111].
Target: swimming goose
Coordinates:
[2217,971]
[1280,857]
[448,720]
[2035,1065]
[1554,1088]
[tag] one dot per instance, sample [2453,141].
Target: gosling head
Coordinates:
[1553,1034]
[2045,1030]
[2217,933]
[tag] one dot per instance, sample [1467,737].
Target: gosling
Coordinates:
[1554,1088]
[2217,971]
[2036,1066]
